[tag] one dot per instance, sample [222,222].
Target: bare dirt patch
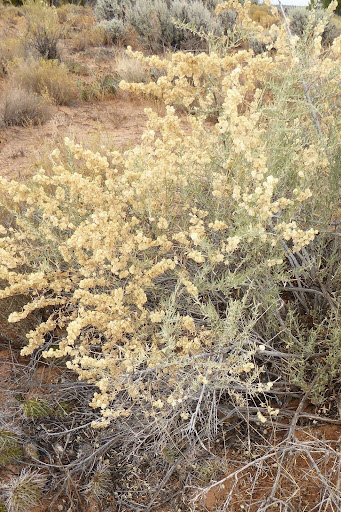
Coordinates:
[306,475]
[116,123]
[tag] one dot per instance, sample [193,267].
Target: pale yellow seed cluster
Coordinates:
[127,247]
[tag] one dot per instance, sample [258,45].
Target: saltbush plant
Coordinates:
[177,273]
[143,242]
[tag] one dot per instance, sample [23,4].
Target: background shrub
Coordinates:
[199,18]
[303,22]
[10,48]
[19,107]
[144,19]
[109,9]
[152,21]
[43,28]
[48,78]
[115,30]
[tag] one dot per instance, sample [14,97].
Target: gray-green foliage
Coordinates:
[144,20]
[109,9]
[298,20]
[165,22]
[303,22]
[153,21]
[114,28]
[228,19]
[199,19]
[315,337]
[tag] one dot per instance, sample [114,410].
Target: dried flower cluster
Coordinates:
[145,257]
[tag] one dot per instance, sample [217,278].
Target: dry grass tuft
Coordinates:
[93,36]
[47,78]
[130,69]
[22,108]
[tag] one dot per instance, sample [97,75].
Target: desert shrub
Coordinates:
[257,46]
[169,271]
[198,19]
[331,31]
[228,19]
[144,19]
[47,78]
[263,14]
[165,23]
[9,13]
[75,18]
[19,107]
[153,22]
[109,9]
[43,28]
[155,249]
[210,4]
[94,36]
[201,17]
[115,30]
[299,20]
[10,48]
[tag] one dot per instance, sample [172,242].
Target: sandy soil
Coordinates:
[114,123]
